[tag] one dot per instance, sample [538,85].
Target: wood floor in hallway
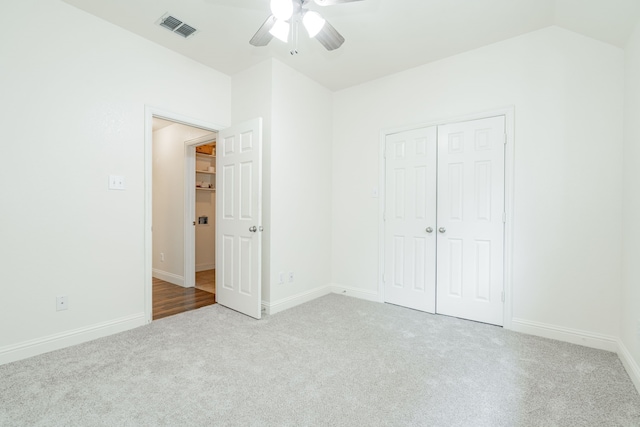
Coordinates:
[170,299]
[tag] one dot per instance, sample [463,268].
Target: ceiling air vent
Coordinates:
[176,25]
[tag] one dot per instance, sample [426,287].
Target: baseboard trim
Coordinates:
[294,300]
[629,364]
[355,292]
[573,336]
[205,267]
[168,277]
[23,350]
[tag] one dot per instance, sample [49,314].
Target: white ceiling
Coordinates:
[382,36]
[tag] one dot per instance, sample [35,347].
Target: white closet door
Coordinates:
[470,220]
[410,219]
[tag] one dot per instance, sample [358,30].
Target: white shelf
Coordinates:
[207,172]
[205,189]
[206,156]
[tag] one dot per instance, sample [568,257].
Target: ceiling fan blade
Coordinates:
[329,37]
[332,2]
[262,37]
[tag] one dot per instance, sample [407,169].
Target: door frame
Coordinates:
[509,115]
[189,205]
[149,113]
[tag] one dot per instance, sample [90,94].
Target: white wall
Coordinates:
[568,96]
[300,185]
[72,111]
[296,114]
[168,200]
[630,333]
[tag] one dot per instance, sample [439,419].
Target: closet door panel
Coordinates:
[470,201]
[410,186]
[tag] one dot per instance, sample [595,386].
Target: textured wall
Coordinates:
[631,211]
[568,96]
[72,113]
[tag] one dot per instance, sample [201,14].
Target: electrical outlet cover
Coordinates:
[116,182]
[61,303]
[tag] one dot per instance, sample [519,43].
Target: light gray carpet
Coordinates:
[336,361]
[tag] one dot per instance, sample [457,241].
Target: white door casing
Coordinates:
[410,219]
[239,217]
[471,209]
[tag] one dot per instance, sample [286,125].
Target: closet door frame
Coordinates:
[509,115]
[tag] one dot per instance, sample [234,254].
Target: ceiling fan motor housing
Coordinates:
[283,11]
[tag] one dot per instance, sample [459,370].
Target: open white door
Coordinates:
[239,217]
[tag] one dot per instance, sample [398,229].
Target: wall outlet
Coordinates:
[116,182]
[291,277]
[281,278]
[61,303]
[161,256]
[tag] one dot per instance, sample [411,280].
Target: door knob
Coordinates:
[429,230]
[442,229]
[253,229]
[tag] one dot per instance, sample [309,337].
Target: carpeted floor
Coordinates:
[336,361]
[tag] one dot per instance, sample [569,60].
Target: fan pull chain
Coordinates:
[295,25]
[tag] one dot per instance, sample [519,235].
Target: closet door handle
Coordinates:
[442,229]
[253,229]
[429,230]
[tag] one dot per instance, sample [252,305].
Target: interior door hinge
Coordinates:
[506,137]
[502,296]
[504,217]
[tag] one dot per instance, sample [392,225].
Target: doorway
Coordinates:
[176,286]
[200,205]
[238,216]
[446,198]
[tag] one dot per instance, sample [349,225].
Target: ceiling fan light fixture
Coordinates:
[280,30]
[282,9]
[313,22]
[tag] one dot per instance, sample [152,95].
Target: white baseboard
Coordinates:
[14,352]
[355,292]
[292,301]
[168,277]
[205,267]
[629,364]
[573,336]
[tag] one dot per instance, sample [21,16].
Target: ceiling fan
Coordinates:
[286,15]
